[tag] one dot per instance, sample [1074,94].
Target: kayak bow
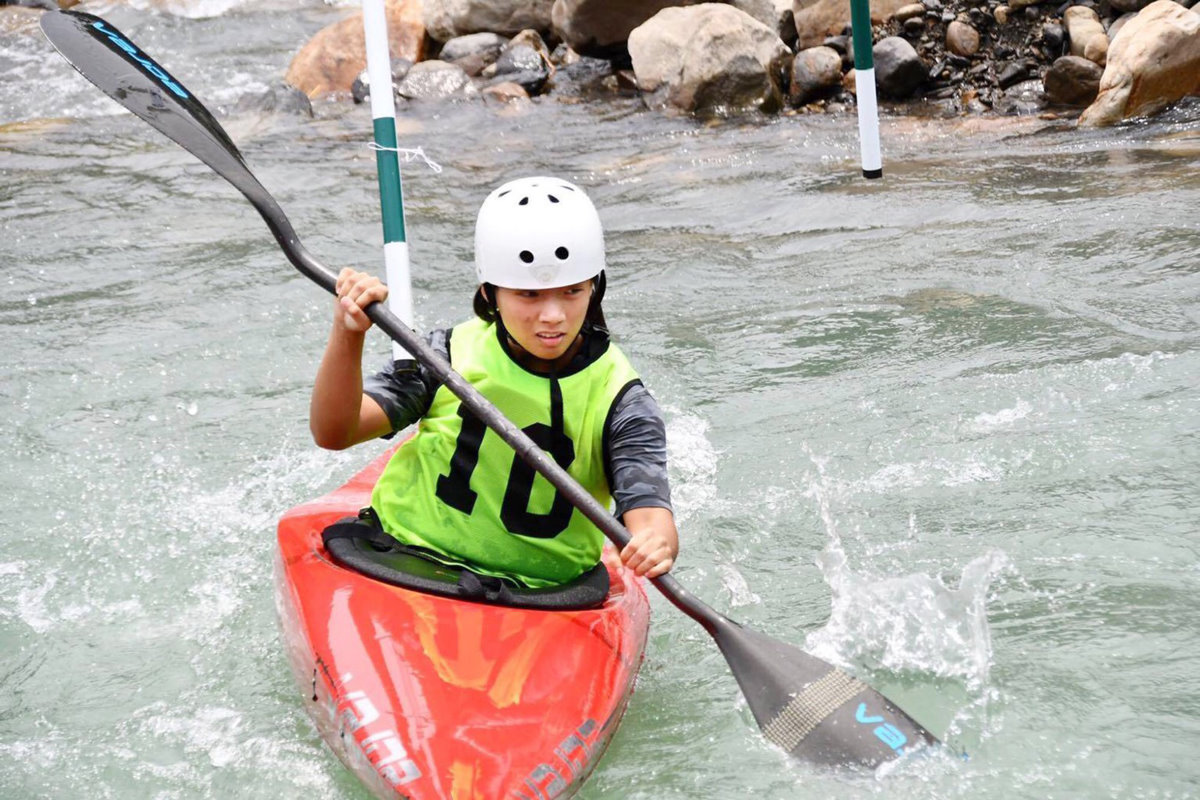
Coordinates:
[428,697]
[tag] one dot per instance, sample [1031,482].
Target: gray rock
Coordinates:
[601,28]
[839,43]
[582,76]
[360,90]
[1072,81]
[761,10]
[1117,24]
[487,45]
[1126,6]
[1054,39]
[815,72]
[436,80]
[1025,97]
[1013,73]
[525,66]
[279,99]
[446,19]
[899,71]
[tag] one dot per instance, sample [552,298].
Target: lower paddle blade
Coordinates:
[813,710]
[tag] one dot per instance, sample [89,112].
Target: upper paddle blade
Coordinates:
[812,709]
[107,58]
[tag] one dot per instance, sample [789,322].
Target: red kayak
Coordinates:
[433,697]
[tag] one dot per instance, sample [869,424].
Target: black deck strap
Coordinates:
[356,528]
[358,544]
[484,587]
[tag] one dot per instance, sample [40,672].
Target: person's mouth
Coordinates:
[551,339]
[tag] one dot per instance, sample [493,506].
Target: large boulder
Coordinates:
[600,28]
[1154,61]
[708,58]
[446,19]
[332,59]
[761,10]
[818,19]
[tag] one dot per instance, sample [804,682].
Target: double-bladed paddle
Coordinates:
[810,708]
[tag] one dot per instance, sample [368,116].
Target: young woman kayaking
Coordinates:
[539,349]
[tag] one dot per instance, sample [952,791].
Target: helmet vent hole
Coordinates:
[506,191]
[553,199]
[527,256]
[524,201]
[562,253]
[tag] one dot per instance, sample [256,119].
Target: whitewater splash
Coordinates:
[910,622]
[190,9]
[693,463]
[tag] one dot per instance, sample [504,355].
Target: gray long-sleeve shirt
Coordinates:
[636,433]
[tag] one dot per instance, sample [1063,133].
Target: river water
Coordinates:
[940,429]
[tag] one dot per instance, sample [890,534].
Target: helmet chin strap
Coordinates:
[489,296]
[598,285]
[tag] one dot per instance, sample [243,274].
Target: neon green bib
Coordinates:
[458,489]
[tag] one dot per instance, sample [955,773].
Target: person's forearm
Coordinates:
[334,410]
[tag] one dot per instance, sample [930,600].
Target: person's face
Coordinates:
[544,322]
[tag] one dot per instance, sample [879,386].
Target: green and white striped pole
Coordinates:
[387,161]
[864,89]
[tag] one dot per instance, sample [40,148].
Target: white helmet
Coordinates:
[538,233]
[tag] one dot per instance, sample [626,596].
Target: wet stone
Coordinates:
[485,45]
[1013,73]
[1053,37]
[523,65]
[839,43]
[1073,81]
[907,12]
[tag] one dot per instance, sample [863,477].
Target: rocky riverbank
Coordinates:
[722,59]
[1101,60]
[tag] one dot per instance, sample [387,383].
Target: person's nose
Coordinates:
[552,312]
